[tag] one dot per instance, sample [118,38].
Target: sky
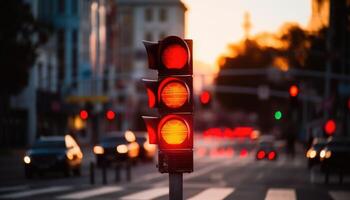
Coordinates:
[213,24]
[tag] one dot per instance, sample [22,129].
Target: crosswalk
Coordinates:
[124,193]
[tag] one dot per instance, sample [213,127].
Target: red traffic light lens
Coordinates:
[205,97]
[174,94]
[261,155]
[330,127]
[174,130]
[174,56]
[293,91]
[271,155]
[110,115]
[84,114]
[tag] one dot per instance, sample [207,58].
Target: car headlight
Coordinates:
[122,148]
[325,154]
[311,153]
[27,160]
[98,150]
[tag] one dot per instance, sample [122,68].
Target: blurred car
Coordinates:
[114,149]
[53,153]
[313,153]
[335,156]
[266,150]
[147,150]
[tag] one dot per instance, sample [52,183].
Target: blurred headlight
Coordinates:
[98,150]
[311,153]
[325,154]
[130,136]
[27,159]
[70,155]
[122,148]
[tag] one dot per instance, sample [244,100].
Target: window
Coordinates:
[61,6]
[61,54]
[148,14]
[75,57]
[74,6]
[163,15]
[148,36]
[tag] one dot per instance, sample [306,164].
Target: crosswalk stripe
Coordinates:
[278,194]
[13,188]
[147,194]
[32,192]
[213,194]
[91,193]
[339,195]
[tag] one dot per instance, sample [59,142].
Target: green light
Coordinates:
[278,115]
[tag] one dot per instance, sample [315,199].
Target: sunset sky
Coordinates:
[213,24]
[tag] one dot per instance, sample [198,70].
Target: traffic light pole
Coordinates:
[175,186]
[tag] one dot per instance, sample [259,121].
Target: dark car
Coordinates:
[53,153]
[335,157]
[114,149]
[266,150]
[313,153]
[147,150]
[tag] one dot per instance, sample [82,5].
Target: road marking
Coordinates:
[213,194]
[339,195]
[147,194]
[278,194]
[91,193]
[33,192]
[13,188]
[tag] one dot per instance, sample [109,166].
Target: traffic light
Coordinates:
[110,115]
[278,115]
[172,94]
[84,114]
[330,127]
[294,91]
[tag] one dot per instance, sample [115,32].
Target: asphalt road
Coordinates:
[219,174]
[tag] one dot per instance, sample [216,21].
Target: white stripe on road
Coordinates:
[13,188]
[278,194]
[213,194]
[147,194]
[339,195]
[33,192]
[91,193]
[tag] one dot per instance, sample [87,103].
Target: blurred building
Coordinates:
[319,14]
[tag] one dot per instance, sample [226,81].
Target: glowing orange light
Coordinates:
[293,91]
[271,155]
[261,155]
[110,115]
[205,97]
[174,94]
[84,114]
[330,127]
[151,98]
[174,131]
[174,56]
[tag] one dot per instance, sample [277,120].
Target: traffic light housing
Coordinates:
[294,95]
[172,95]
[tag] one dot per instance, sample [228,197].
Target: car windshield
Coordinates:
[49,144]
[113,140]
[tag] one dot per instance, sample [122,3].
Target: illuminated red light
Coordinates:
[205,97]
[261,155]
[151,98]
[330,127]
[110,115]
[244,153]
[84,114]
[271,155]
[174,94]
[293,91]
[174,56]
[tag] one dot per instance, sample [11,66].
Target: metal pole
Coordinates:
[104,174]
[92,173]
[175,186]
[117,172]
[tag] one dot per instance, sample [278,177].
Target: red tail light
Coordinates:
[261,155]
[271,155]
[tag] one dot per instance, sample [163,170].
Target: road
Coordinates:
[229,173]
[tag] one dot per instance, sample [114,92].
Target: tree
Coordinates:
[20,36]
